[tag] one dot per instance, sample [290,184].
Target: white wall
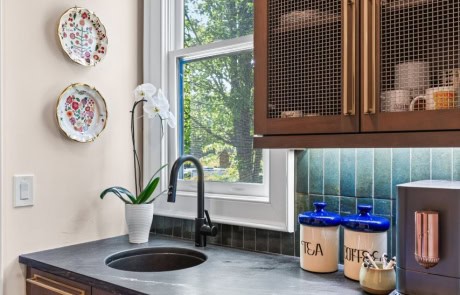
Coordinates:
[69,176]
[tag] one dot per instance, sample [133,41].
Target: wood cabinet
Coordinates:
[42,283]
[344,73]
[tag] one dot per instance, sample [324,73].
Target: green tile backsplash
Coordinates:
[344,178]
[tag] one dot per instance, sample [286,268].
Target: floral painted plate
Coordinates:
[81,112]
[82,36]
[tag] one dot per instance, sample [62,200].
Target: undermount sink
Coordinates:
[155,259]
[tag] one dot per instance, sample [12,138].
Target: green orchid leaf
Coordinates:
[150,187]
[119,192]
[148,191]
[155,174]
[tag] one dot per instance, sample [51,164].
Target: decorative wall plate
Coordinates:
[82,36]
[81,112]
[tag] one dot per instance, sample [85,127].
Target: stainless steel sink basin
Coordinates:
[155,259]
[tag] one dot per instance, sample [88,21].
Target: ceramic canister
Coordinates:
[319,240]
[364,233]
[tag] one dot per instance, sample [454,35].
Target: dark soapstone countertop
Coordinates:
[226,272]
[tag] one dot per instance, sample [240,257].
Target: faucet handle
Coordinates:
[208,218]
[210,229]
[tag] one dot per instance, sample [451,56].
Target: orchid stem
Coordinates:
[137,165]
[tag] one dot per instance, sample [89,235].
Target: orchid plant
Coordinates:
[155,105]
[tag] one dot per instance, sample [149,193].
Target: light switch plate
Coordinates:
[23,190]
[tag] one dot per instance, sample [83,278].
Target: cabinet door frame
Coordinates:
[348,121]
[372,120]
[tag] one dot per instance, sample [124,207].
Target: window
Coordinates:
[206,53]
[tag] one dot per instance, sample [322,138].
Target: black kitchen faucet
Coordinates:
[203,225]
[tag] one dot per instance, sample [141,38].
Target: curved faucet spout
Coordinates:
[173,182]
[203,225]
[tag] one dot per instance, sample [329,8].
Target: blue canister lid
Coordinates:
[366,222]
[319,217]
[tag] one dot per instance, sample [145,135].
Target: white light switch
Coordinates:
[23,190]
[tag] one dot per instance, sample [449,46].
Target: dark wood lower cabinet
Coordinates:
[42,283]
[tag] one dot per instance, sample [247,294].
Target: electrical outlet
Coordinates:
[23,190]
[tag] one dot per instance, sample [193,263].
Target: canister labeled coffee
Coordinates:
[363,233]
[319,240]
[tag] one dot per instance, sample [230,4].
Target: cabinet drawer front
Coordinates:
[40,285]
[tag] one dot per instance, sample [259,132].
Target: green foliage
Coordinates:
[218,92]
[145,197]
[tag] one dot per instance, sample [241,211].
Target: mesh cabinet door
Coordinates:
[305,67]
[411,66]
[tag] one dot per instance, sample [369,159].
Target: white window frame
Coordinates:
[270,206]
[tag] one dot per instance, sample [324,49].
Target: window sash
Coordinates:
[213,189]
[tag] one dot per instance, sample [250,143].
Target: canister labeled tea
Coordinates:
[364,233]
[319,240]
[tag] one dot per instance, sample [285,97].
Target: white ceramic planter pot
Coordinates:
[139,220]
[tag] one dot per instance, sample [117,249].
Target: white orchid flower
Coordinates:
[159,105]
[144,91]
[171,120]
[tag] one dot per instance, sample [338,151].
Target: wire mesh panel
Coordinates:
[304,58]
[419,51]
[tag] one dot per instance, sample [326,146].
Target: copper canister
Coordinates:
[427,238]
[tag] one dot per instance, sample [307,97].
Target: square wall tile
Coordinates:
[302,202]
[188,229]
[177,229]
[261,240]
[382,173]
[153,228]
[333,203]
[301,171]
[226,235]
[316,171]
[347,205]
[237,236]
[364,172]
[274,242]
[400,168]
[249,239]
[159,224]
[382,207]
[441,164]
[420,164]
[287,243]
[331,171]
[347,172]
[168,225]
